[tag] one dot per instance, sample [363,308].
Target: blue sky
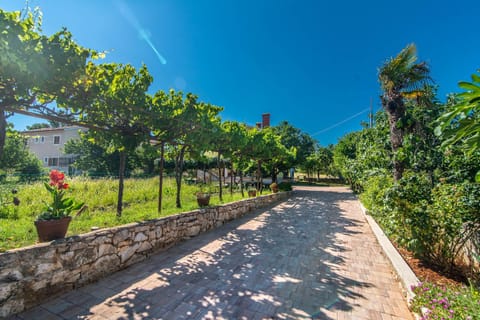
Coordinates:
[313,63]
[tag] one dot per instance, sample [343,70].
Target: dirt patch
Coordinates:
[427,272]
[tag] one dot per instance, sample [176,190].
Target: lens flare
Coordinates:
[142,33]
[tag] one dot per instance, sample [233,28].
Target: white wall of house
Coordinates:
[48,145]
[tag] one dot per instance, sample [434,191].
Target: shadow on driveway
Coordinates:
[284,262]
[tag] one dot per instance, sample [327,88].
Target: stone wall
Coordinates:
[33,274]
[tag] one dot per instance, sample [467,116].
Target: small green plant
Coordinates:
[8,208]
[285,186]
[60,206]
[446,302]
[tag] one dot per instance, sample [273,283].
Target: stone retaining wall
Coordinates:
[33,274]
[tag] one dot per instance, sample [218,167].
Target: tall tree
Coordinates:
[189,122]
[292,137]
[119,107]
[36,70]
[238,137]
[400,78]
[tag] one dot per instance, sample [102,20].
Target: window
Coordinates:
[42,139]
[45,160]
[56,139]
[65,161]
[52,162]
[36,139]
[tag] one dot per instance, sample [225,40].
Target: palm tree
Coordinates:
[400,78]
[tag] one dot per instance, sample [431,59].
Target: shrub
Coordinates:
[285,186]
[455,219]
[407,202]
[373,196]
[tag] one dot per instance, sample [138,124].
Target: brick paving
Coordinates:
[311,257]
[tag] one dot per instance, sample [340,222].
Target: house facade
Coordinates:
[48,145]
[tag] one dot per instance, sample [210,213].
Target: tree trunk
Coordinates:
[3,130]
[231,177]
[121,175]
[160,177]
[220,182]
[274,175]
[204,173]
[259,174]
[395,109]
[178,175]
[241,182]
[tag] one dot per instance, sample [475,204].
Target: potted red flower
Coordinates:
[54,221]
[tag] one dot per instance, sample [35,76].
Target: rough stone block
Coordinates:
[83,257]
[121,236]
[127,252]
[78,246]
[100,240]
[10,275]
[106,249]
[106,264]
[11,307]
[47,268]
[140,237]
[144,247]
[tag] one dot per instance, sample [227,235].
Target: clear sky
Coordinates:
[311,62]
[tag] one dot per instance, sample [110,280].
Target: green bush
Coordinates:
[455,219]
[285,186]
[31,169]
[373,196]
[407,202]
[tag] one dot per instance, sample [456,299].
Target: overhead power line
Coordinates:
[342,122]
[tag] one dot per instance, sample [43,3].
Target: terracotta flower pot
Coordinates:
[203,199]
[49,230]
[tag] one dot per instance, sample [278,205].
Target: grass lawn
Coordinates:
[100,197]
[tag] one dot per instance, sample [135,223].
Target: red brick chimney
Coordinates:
[265,120]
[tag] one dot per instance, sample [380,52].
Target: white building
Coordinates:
[48,145]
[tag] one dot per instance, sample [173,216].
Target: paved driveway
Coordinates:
[313,256]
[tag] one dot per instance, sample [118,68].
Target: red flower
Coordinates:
[56,179]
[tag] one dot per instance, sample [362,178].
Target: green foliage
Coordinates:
[38,126]
[285,186]
[401,79]
[460,124]
[37,69]
[458,165]
[374,195]
[319,162]
[18,160]
[8,202]
[31,169]
[455,219]
[408,221]
[442,302]
[292,137]
[363,154]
